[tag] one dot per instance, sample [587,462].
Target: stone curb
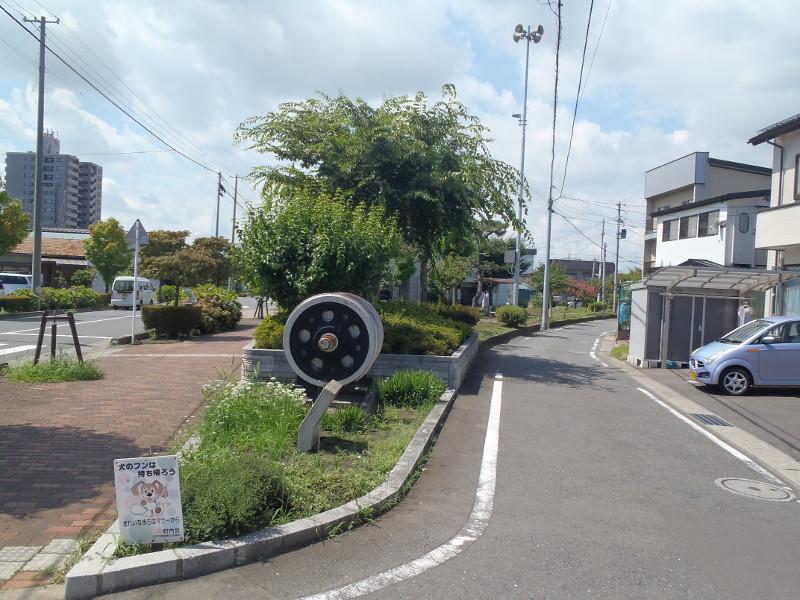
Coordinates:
[126,339]
[501,338]
[97,573]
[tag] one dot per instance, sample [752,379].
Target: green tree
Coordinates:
[107,249]
[13,223]
[163,242]
[427,165]
[310,243]
[218,250]
[447,273]
[184,268]
[559,279]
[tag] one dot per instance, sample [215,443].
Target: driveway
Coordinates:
[772,414]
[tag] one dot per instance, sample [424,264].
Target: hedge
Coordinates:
[511,316]
[17,303]
[269,334]
[172,321]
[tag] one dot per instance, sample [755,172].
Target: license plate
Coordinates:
[692,375]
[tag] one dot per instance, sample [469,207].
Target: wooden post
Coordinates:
[40,339]
[71,320]
[53,330]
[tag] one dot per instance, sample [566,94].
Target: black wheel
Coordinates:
[735,381]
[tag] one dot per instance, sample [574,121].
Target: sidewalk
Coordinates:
[58,441]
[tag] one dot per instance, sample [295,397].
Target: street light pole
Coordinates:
[530,36]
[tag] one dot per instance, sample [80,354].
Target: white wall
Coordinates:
[791,148]
[638,311]
[677,251]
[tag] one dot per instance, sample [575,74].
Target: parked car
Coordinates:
[764,352]
[122,292]
[10,282]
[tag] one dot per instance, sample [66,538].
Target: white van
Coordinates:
[122,292]
[10,282]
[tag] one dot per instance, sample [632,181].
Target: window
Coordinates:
[688,227]
[708,223]
[670,230]
[796,177]
[744,222]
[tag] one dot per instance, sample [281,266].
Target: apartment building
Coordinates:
[71,189]
[699,207]
[778,231]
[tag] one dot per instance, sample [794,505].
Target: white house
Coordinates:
[700,207]
[779,226]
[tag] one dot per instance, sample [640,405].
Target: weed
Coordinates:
[410,388]
[347,419]
[59,369]
[620,351]
[84,543]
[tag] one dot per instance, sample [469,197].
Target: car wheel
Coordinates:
[735,381]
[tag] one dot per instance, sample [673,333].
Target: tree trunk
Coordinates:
[423,279]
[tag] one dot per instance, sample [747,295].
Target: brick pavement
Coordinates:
[58,441]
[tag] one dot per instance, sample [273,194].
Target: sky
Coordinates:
[661,80]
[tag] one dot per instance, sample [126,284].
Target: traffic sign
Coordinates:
[130,237]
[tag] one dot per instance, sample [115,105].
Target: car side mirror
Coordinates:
[769,339]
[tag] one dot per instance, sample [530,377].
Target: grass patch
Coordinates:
[246,472]
[620,351]
[490,327]
[84,543]
[54,371]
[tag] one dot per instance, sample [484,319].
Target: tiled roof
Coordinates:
[53,247]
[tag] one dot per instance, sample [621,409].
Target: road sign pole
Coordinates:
[135,281]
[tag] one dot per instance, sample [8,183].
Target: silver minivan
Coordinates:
[10,282]
[763,352]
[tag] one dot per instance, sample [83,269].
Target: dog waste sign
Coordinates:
[148,499]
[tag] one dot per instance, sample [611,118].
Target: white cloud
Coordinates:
[668,79]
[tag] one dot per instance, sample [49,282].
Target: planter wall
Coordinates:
[260,364]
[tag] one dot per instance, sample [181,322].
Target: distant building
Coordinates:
[704,207]
[584,270]
[72,190]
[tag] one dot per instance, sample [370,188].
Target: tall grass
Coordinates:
[54,371]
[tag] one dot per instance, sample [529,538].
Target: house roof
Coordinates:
[775,130]
[53,247]
[715,200]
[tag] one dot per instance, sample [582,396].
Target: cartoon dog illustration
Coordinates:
[153,497]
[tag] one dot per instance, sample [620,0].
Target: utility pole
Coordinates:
[36,264]
[233,224]
[220,189]
[603,263]
[616,254]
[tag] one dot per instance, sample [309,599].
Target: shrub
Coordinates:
[410,388]
[166,294]
[218,314]
[17,302]
[425,313]
[83,277]
[458,312]
[53,371]
[347,419]
[511,316]
[269,334]
[72,297]
[170,320]
[404,334]
[596,306]
[209,290]
[228,494]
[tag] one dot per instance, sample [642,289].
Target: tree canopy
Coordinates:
[107,249]
[314,242]
[13,223]
[427,164]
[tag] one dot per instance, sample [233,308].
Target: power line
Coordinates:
[597,44]
[576,228]
[577,96]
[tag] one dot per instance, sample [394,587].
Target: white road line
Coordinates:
[164,355]
[77,323]
[16,349]
[471,531]
[68,335]
[724,445]
[594,348]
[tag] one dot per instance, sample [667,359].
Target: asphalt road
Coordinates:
[595,491]
[95,330]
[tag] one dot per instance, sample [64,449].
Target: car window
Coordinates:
[13,279]
[123,286]
[794,333]
[779,332]
[737,336]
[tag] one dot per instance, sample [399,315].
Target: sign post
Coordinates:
[149,499]
[137,236]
